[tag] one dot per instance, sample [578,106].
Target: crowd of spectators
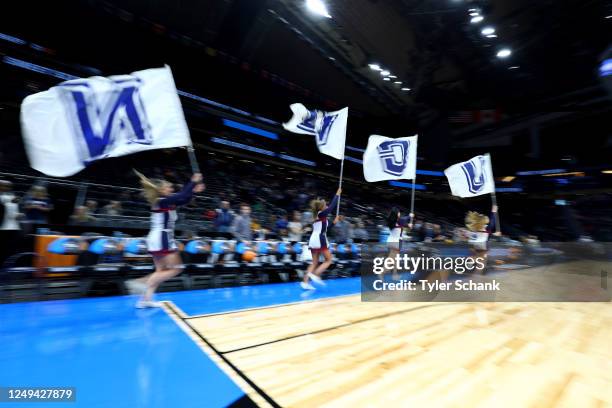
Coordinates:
[248,200]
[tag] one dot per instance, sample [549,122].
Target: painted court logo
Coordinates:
[100,118]
[475,174]
[394,156]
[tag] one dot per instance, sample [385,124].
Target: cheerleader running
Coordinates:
[160,241]
[396,223]
[480,227]
[318,240]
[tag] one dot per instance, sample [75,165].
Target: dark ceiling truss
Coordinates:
[328,39]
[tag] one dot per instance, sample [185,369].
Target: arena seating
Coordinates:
[206,264]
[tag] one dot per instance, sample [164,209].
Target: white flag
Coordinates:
[329,128]
[386,158]
[82,120]
[471,178]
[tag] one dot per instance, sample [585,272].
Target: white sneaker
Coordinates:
[316,279]
[307,286]
[135,287]
[143,304]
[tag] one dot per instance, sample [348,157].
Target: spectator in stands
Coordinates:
[342,230]
[224,217]
[295,228]
[112,208]
[10,231]
[92,206]
[81,216]
[241,226]
[307,217]
[37,205]
[360,233]
[281,223]
[438,236]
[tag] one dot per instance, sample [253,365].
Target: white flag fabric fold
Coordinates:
[83,120]
[386,158]
[329,128]
[471,178]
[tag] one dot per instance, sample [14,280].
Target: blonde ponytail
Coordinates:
[150,188]
[316,206]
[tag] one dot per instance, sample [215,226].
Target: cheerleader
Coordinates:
[318,240]
[396,224]
[160,241]
[480,227]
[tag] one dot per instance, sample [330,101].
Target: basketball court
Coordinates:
[275,345]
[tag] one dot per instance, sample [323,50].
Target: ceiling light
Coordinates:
[398,82]
[386,79]
[514,67]
[492,36]
[487,31]
[405,89]
[476,19]
[317,7]
[474,13]
[392,76]
[385,73]
[375,67]
[504,53]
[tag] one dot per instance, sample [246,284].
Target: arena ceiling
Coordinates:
[430,45]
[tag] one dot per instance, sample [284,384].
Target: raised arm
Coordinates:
[183,196]
[331,206]
[334,203]
[405,220]
[180,198]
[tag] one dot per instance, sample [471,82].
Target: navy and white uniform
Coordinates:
[478,240]
[395,235]
[318,238]
[160,240]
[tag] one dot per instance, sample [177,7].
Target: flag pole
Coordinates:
[494,199]
[340,184]
[195,167]
[412,200]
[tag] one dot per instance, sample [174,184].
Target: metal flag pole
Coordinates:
[195,167]
[494,198]
[412,200]
[340,184]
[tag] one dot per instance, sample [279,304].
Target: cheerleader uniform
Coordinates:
[318,238]
[478,241]
[160,240]
[395,236]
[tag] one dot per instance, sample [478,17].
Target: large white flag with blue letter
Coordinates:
[471,178]
[386,158]
[329,128]
[82,120]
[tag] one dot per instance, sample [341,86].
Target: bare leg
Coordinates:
[165,268]
[392,254]
[323,267]
[313,266]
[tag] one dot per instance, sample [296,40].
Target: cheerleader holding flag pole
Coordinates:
[329,130]
[318,243]
[82,120]
[473,178]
